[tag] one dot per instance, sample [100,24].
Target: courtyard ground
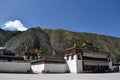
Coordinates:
[64,76]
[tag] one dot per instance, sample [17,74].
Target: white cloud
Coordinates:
[15,25]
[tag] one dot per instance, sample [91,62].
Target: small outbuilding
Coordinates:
[56,65]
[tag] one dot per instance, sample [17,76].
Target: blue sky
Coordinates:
[94,16]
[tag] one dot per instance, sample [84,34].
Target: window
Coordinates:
[67,57]
[33,57]
[79,57]
[71,57]
[28,57]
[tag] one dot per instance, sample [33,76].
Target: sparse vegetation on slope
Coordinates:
[49,40]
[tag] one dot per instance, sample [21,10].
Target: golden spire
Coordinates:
[36,50]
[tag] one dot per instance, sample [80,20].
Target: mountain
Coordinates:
[61,39]
[32,39]
[4,37]
[49,40]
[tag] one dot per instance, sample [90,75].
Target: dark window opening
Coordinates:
[33,57]
[79,57]
[71,57]
[93,58]
[9,60]
[28,57]
[67,58]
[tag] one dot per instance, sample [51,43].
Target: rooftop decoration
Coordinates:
[76,46]
[85,46]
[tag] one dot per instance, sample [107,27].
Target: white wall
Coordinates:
[51,67]
[75,65]
[79,66]
[38,68]
[110,66]
[72,66]
[55,67]
[14,67]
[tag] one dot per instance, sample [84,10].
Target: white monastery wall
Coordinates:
[74,64]
[79,66]
[50,67]
[14,67]
[55,67]
[110,66]
[38,68]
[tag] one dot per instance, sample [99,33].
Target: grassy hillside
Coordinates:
[4,36]
[32,39]
[61,39]
[49,40]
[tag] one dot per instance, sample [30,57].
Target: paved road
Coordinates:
[81,76]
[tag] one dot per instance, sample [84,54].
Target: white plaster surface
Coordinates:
[14,67]
[38,68]
[81,76]
[110,65]
[72,66]
[55,67]
[49,67]
[79,66]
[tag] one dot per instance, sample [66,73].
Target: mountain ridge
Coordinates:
[59,39]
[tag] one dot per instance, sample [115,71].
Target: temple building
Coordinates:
[84,59]
[31,55]
[43,62]
[80,58]
[49,64]
[77,59]
[8,56]
[10,62]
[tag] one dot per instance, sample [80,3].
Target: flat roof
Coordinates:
[4,57]
[49,60]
